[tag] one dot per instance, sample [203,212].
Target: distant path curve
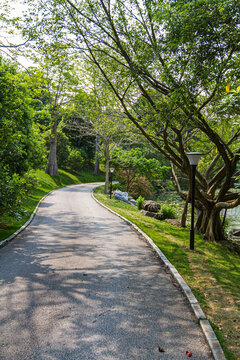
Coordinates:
[79,283]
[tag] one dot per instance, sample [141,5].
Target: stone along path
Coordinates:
[79,283]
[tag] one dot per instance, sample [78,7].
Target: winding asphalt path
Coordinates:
[79,283]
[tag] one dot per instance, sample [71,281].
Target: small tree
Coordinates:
[133,166]
[97,114]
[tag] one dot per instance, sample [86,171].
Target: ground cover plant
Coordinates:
[212,271]
[45,183]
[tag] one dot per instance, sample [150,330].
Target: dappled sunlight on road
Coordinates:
[80,284]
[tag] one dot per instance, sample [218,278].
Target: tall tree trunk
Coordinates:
[96,165]
[184,213]
[198,223]
[209,224]
[214,230]
[107,161]
[52,168]
[96,170]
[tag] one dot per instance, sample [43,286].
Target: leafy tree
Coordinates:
[86,144]
[175,59]
[20,142]
[75,160]
[98,115]
[132,165]
[56,89]
[19,146]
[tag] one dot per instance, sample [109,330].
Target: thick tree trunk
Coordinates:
[96,170]
[96,165]
[52,168]
[202,220]
[209,224]
[199,220]
[214,230]
[184,213]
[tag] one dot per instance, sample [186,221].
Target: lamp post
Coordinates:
[111,176]
[193,158]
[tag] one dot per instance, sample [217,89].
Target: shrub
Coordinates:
[28,182]
[169,186]
[119,186]
[167,212]
[141,186]
[13,188]
[126,177]
[140,201]
[63,149]
[75,160]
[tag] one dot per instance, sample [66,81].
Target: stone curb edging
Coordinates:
[11,237]
[209,334]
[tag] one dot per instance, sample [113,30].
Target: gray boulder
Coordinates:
[236,232]
[152,214]
[174,222]
[132,202]
[120,195]
[150,205]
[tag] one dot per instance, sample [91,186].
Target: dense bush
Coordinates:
[168,185]
[19,147]
[126,178]
[13,188]
[167,212]
[141,186]
[21,144]
[118,186]
[135,186]
[75,160]
[140,201]
[63,149]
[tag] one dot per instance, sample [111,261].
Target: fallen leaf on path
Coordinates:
[160,349]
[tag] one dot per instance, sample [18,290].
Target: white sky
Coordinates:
[16,8]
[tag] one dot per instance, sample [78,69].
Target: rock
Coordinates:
[120,195]
[174,222]
[151,206]
[236,232]
[132,202]
[152,214]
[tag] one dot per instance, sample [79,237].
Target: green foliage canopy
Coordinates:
[19,145]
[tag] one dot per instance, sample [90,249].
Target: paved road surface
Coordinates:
[79,283]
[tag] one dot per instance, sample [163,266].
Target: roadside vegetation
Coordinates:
[211,270]
[44,183]
[150,84]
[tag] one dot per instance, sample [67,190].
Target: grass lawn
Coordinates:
[211,270]
[45,183]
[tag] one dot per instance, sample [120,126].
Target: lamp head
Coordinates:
[111,170]
[194,157]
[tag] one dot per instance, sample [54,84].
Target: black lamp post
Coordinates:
[111,177]
[193,158]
